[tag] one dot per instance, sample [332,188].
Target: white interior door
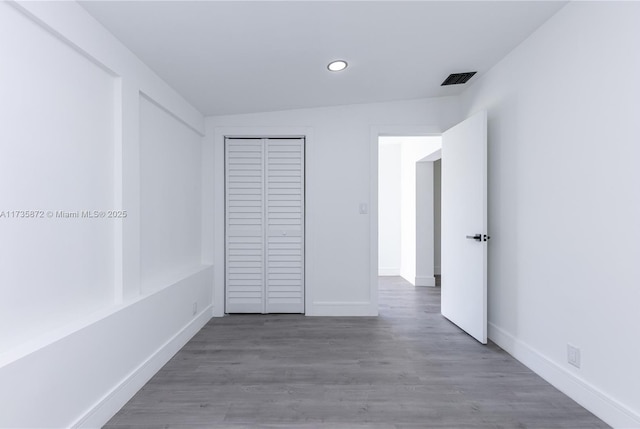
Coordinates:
[264,225]
[244,226]
[464,225]
[285,226]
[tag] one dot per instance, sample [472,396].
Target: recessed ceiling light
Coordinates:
[337,65]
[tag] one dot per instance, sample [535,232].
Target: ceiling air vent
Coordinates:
[458,78]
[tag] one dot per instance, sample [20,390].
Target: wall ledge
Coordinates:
[100,413]
[34,344]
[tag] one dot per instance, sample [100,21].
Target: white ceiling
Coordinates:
[228,57]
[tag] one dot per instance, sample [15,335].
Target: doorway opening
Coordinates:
[409,171]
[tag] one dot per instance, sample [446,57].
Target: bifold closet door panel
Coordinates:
[244,229]
[284,199]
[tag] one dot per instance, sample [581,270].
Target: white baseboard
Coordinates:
[596,401]
[426,281]
[386,271]
[111,403]
[338,309]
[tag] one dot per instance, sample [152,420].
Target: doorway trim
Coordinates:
[218,287]
[377,131]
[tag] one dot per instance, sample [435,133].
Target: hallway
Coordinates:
[408,368]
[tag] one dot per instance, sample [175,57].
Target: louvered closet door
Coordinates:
[245,232]
[264,225]
[285,225]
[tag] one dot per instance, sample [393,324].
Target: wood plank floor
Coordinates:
[408,368]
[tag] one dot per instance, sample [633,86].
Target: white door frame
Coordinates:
[219,206]
[376,132]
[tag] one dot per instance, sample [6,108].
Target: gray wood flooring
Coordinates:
[408,368]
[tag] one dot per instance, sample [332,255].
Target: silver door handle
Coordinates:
[479,237]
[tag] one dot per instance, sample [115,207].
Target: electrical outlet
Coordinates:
[573,355]
[195,308]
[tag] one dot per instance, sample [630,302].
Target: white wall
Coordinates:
[389,208]
[426,218]
[170,194]
[424,224]
[437,218]
[51,165]
[413,150]
[341,273]
[79,332]
[564,203]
